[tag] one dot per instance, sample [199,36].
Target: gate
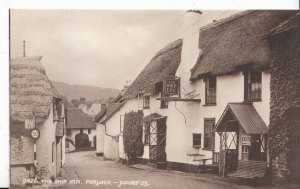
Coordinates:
[157,144]
[82,141]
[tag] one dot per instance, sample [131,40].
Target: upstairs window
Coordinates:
[209,134]
[196,140]
[253,86]
[146,102]
[163,104]
[210,90]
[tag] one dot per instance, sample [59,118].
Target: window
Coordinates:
[253,86]
[68,131]
[196,140]
[89,131]
[146,102]
[209,134]
[147,134]
[81,130]
[210,90]
[53,152]
[163,103]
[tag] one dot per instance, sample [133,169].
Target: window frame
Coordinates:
[146,102]
[253,80]
[209,136]
[197,145]
[209,89]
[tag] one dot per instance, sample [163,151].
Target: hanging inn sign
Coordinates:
[171,86]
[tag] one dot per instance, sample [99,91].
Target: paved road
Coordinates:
[85,168]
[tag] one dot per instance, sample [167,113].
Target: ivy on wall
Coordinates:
[133,136]
[285,85]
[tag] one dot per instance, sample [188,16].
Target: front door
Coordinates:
[255,148]
[157,144]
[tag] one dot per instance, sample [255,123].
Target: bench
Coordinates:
[250,169]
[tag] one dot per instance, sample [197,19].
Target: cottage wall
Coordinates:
[100,139]
[44,147]
[21,157]
[285,85]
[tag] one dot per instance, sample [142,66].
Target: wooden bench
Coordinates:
[250,169]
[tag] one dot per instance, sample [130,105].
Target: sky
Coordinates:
[103,48]
[93,47]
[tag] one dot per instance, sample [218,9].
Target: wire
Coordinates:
[180,113]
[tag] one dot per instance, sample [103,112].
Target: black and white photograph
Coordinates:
[194,98]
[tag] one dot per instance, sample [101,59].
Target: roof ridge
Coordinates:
[226,19]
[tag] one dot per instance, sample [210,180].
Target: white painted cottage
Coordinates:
[222,88]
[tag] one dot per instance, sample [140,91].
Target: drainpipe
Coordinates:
[106,132]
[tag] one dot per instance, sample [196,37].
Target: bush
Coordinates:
[133,136]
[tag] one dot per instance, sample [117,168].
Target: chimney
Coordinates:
[82,100]
[103,106]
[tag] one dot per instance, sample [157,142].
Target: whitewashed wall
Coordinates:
[100,138]
[44,145]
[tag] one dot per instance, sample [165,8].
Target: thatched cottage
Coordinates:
[237,80]
[178,119]
[221,109]
[107,132]
[34,104]
[81,130]
[285,98]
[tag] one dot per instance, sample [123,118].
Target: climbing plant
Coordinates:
[133,135]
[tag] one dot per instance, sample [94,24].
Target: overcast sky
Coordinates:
[94,47]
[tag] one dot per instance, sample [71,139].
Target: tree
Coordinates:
[133,135]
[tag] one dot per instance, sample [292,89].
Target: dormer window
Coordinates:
[210,90]
[253,86]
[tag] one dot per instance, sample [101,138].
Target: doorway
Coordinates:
[82,141]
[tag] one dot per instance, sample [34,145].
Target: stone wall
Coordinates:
[285,85]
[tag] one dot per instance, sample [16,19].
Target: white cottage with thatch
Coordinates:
[34,104]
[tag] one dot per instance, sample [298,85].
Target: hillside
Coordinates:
[88,92]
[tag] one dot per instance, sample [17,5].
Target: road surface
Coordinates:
[84,170]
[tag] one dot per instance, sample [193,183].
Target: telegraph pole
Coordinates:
[24,48]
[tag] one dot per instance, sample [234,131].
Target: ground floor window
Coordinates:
[196,140]
[209,134]
[89,131]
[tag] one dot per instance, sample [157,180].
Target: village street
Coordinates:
[86,167]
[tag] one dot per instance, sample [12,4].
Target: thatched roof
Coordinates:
[230,44]
[164,63]
[31,92]
[111,109]
[289,24]
[100,115]
[77,119]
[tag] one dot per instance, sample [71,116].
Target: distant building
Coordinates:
[83,105]
[34,104]
[94,109]
[81,131]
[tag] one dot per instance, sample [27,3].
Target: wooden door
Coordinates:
[157,142]
[254,151]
